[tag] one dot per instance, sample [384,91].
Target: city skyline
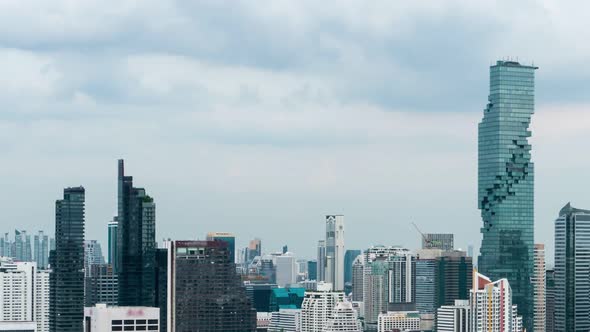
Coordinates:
[260,138]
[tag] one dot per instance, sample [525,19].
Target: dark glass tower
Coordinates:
[136,244]
[506,178]
[205,290]
[66,282]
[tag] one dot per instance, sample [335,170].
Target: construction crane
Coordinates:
[426,240]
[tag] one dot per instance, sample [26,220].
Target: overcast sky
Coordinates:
[260,117]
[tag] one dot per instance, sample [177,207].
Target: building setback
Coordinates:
[204,291]
[506,181]
[66,283]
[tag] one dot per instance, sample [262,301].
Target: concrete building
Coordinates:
[92,255]
[103,318]
[399,320]
[286,270]
[285,320]
[41,250]
[321,261]
[438,241]
[357,279]
[18,327]
[454,318]
[318,307]
[335,251]
[539,288]
[101,285]
[344,319]
[41,300]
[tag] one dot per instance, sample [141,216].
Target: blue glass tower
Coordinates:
[506,178]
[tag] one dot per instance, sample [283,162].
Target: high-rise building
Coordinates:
[572,267]
[349,258]
[344,319]
[438,241]
[113,227]
[101,285]
[318,308]
[453,318]
[92,255]
[66,282]
[162,286]
[204,291]
[426,285]
[18,327]
[285,320]
[226,237]
[312,270]
[18,292]
[136,243]
[335,251]
[286,270]
[491,306]
[41,291]
[454,277]
[103,318]
[550,301]
[254,249]
[539,288]
[321,260]
[357,279]
[259,295]
[22,244]
[506,180]
[41,250]
[398,321]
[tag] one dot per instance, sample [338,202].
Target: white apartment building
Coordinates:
[285,320]
[286,269]
[318,307]
[18,326]
[102,318]
[24,293]
[453,318]
[344,319]
[401,320]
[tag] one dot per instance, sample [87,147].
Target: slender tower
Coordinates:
[505,184]
[335,251]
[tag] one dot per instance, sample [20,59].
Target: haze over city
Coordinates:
[261,118]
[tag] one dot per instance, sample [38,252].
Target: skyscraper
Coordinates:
[286,270]
[66,282]
[550,301]
[454,273]
[204,291]
[438,241]
[136,243]
[539,288]
[229,238]
[22,245]
[321,260]
[357,279]
[312,270]
[506,178]
[41,250]
[113,227]
[92,254]
[318,307]
[572,270]
[335,251]
[349,258]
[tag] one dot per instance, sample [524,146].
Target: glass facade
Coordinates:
[505,182]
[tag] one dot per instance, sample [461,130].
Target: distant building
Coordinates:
[285,320]
[286,270]
[286,298]
[438,241]
[454,277]
[357,279]
[22,246]
[550,301]
[321,260]
[41,250]
[66,282]
[226,237]
[334,272]
[92,255]
[260,295]
[539,288]
[113,227]
[312,270]
[101,286]
[349,258]
[572,267]
[103,318]
[454,318]
[426,285]
[204,290]
[399,320]
[344,319]
[318,308]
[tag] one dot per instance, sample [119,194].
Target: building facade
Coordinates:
[572,268]
[550,301]
[357,279]
[539,288]
[286,270]
[399,321]
[349,258]
[112,252]
[285,320]
[321,260]
[438,241]
[454,318]
[344,319]
[66,283]
[318,307]
[335,251]
[102,318]
[506,182]
[41,250]
[226,237]
[101,285]
[204,291]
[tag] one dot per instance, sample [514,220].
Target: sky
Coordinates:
[261,117]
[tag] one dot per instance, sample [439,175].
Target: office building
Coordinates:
[136,243]
[162,286]
[92,255]
[41,250]
[506,181]
[491,306]
[318,308]
[66,281]
[357,279]
[285,320]
[228,238]
[454,277]
[254,249]
[113,227]
[426,286]
[312,270]
[103,318]
[572,268]
[259,295]
[41,300]
[18,327]
[349,258]
[101,285]
[550,301]
[344,319]
[334,272]
[398,321]
[286,270]
[538,282]
[286,298]
[321,260]
[204,291]
[22,246]
[438,241]
[453,318]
